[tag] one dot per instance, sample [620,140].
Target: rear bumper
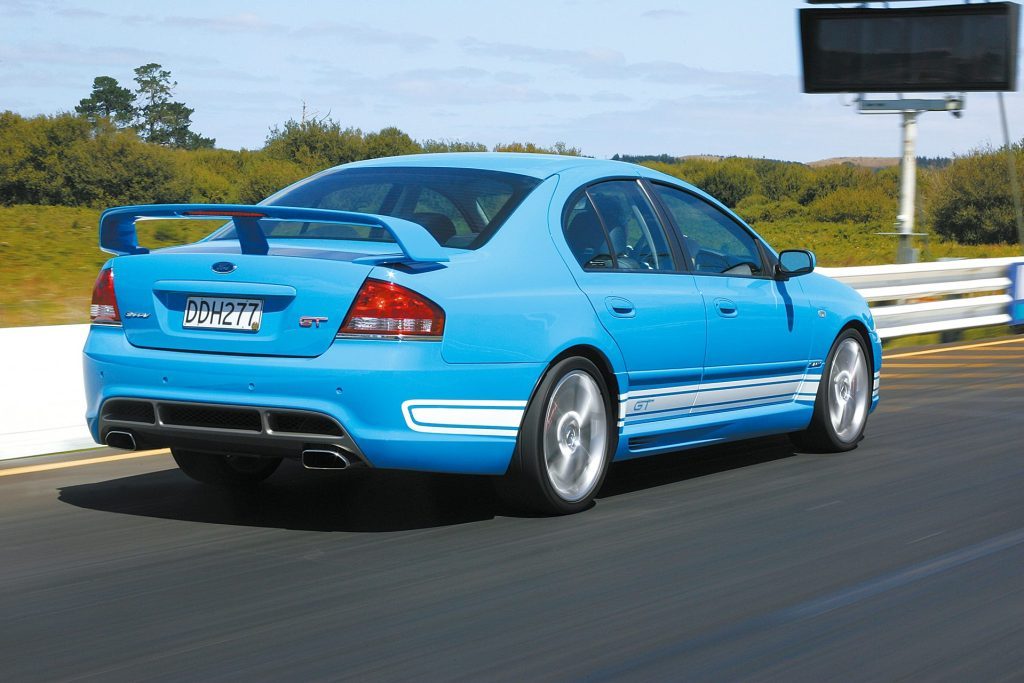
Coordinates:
[398,404]
[237,430]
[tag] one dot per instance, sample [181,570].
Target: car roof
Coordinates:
[535,165]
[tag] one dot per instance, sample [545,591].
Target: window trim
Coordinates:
[678,257]
[762,248]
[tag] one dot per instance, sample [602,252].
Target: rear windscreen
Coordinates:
[459,207]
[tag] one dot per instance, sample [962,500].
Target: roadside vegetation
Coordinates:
[122,146]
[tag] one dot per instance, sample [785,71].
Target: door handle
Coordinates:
[619,307]
[726,308]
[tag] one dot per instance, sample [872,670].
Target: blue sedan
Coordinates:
[530,317]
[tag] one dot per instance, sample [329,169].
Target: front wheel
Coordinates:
[566,442]
[843,401]
[224,470]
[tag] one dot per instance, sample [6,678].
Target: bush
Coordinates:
[445,145]
[727,180]
[759,208]
[782,180]
[530,148]
[853,205]
[970,200]
[63,160]
[828,179]
[730,181]
[315,144]
[389,142]
[262,177]
[33,160]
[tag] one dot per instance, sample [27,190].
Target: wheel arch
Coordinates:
[598,358]
[862,330]
[604,366]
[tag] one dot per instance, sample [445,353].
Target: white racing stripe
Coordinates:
[668,402]
[466,418]
[784,391]
[503,418]
[695,386]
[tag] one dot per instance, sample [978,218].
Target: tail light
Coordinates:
[384,309]
[103,310]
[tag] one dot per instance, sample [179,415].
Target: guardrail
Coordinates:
[42,393]
[43,403]
[921,298]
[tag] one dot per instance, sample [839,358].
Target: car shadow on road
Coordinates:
[379,501]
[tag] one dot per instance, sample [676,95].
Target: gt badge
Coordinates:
[311,321]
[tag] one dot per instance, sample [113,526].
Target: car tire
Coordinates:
[566,442]
[844,398]
[224,470]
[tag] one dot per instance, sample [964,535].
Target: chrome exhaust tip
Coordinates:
[323,459]
[122,440]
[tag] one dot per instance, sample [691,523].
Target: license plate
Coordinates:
[222,313]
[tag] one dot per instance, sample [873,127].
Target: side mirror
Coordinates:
[793,262]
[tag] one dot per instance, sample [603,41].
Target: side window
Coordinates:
[586,237]
[621,221]
[714,242]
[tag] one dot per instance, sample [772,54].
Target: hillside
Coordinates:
[863,162]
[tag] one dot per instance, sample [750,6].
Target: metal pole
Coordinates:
[908,188]
[1012,162]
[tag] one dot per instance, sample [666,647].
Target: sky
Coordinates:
[641,77]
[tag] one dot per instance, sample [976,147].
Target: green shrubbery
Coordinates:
[72,160]
[971,201]
[75,160]
[967,201]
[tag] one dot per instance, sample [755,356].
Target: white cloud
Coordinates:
[660,14]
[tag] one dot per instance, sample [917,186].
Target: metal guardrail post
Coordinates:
[1017,297]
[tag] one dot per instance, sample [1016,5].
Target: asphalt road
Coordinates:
[903,559]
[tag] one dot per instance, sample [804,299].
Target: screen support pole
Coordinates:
[905,252]
[909,110]
[1011,161]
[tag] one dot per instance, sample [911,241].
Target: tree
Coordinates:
[390,142]
[971,200]
[109,101]
[728,180]
[445,145]
[159,119]
[315,144]
[173,127]
[154,89]
[531,148]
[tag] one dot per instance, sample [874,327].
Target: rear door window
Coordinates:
[612,226]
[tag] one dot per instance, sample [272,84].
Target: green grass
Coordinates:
[50,255]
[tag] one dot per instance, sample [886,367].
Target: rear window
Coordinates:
[460,207]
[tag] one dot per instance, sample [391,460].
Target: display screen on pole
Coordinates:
[948,48]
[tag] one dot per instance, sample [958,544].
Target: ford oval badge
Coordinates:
[224,267]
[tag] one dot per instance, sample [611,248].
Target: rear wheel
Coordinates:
[224,470]
[566,442]
[843,400]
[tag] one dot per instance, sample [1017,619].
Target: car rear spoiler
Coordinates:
[118,234]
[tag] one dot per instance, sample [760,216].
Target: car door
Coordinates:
[759,328]
[628,270]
